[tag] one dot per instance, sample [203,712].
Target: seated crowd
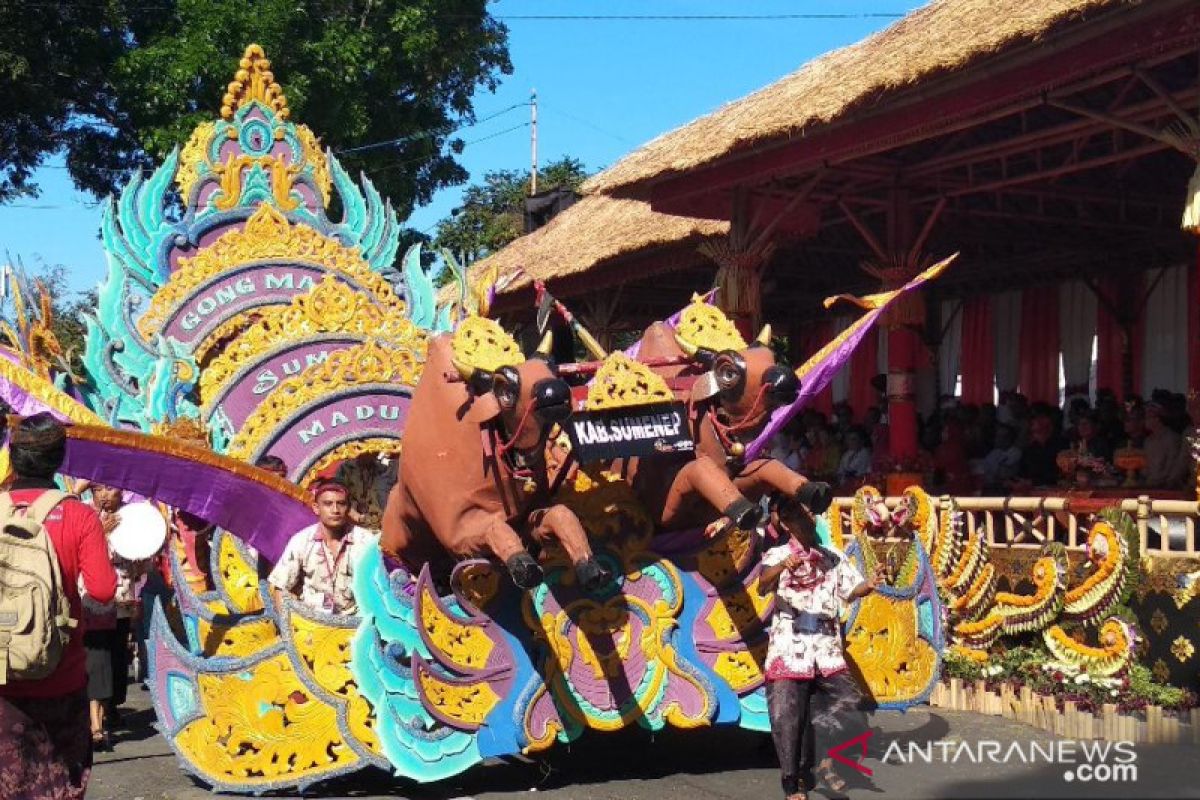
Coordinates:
[1005,449]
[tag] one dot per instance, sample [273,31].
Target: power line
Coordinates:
[584,122]
[427,133]
[407,161]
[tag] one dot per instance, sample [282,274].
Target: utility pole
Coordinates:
[533,141]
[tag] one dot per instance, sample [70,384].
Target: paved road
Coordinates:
[708,765]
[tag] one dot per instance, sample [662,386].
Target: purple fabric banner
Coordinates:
[817,373]
[27,393]
[231,495]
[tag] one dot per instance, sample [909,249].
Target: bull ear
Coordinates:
[465,371]
[764,336]
[687,347]
[483,409]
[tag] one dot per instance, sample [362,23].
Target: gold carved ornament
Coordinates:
[238,577]
[464,647]
[260,726]
[370,363]
[267,235]
[887,648]
[480,343]
[702,325]
[330,307]
[254,82]
[193,155]
[622,382]
[324,651]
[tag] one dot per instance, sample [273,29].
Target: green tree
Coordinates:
[492,212]
[358,72]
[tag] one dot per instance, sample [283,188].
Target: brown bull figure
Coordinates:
[474,478]
[731,402]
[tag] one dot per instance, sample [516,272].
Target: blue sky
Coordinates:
[604,87]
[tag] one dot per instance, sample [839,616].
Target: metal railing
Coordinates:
[1165,527]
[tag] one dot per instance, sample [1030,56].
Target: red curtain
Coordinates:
[1128,293]
[978,360]
[809,339]
[1193,307]
[1039,344]
[864,365]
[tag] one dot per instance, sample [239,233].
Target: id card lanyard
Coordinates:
[331,571]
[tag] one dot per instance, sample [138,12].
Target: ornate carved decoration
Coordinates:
[266,236]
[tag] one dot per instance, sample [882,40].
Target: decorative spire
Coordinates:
[254,81]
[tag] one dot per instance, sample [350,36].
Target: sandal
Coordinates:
[832,779]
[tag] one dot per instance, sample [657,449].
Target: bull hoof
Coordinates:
[816,496]
[591,574]
[744,514]
[525,571]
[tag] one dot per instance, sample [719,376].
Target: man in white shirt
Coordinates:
[318,564]
[999,467]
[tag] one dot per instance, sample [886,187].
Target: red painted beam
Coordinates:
[984,92]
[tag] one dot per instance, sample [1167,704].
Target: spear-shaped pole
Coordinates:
[545,301]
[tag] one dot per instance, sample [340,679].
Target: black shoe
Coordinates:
[816,496]
[743,514]
[525,571]
[592,575]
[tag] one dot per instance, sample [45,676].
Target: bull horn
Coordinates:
[764,336]
[687,347]
[465,371]
[546,345]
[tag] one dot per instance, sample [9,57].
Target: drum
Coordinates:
[140,533]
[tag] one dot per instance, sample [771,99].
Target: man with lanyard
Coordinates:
[318,564]
[804,652]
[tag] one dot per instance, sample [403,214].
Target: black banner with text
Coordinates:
[626,432]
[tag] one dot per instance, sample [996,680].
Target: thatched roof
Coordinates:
[593,232]
[943,36]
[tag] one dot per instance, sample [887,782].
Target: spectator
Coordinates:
[273,464]
[1039,459]
[108,501]
[45,742]
[1000,466]
[1165,468]
[824,456]
[950,460]
[1089,441]
[1134,428]
[856,461]
[318,563]
[360,477]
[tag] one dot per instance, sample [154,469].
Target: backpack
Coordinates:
[35,617]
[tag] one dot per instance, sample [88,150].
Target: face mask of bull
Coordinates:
[749,385]
[527,398]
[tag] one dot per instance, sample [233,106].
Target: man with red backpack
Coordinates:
[48,542]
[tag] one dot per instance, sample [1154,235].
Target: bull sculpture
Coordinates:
[734,391]
[474,481]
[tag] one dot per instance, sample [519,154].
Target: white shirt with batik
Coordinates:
[322,574]
[802,656]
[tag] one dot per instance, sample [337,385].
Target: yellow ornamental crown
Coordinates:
[622,382]
[481,343]
[705,326]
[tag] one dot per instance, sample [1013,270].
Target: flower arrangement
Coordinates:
[1034,667]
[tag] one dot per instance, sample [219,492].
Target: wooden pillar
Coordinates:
[904,322]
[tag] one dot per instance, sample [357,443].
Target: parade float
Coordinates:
[564,556]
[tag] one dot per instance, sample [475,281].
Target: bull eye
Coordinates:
[728,375]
